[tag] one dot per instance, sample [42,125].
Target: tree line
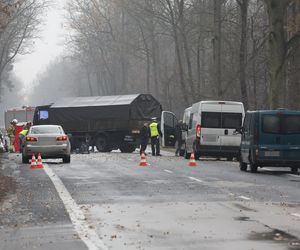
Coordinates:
[19,20]
[181,51]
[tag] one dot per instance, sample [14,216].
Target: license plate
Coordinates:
[272,153]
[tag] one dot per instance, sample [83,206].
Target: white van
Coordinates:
[212,129]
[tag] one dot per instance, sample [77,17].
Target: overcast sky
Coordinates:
[47,48]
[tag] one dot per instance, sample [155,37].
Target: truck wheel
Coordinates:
[127,148]
[294,170]
[101,144]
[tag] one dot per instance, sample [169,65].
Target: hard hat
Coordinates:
[15,121]
[154,118]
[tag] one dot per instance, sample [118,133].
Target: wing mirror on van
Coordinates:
[239,131]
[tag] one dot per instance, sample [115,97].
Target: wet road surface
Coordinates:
[106,201]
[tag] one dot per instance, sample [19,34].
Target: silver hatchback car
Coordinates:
[48,140]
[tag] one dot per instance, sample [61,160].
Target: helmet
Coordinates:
[14,121]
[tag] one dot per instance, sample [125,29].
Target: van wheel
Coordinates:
[243,166]
[253,167]
[294,170]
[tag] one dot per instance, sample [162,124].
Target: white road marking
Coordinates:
[293,175]
[296,215]
[84,230]
[194,179]
[168,171]
[245,198]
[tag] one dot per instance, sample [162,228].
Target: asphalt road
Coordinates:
[107,201]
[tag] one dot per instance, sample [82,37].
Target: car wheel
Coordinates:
[25,159]
[66,159]
[294,170]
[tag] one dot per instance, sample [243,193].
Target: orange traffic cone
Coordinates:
[33,161]
[192,162]
[143,162]
[39,162]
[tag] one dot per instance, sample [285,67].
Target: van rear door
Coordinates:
[211,124]
[232,119]
[271,139]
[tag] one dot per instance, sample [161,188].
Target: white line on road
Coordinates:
[245,198]
[296,215]
[168,171]
[293,175]
[194,179]
[85,231]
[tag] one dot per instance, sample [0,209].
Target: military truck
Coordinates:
[108,122]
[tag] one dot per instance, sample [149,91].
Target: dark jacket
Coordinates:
[144,134]
[178,133]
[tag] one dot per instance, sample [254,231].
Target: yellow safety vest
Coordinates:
[153,129]
[24,132]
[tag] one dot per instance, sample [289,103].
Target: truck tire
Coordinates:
[127,148]
[101,144]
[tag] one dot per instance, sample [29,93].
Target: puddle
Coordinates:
[244,208]
[7,186]
[279,237]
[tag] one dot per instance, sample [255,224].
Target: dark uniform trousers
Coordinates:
[155,145]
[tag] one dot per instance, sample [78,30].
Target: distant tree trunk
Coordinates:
[243,4]
[178,54]
[294,60]
[277,43]
[217,49]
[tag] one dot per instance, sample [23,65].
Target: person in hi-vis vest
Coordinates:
[155,132]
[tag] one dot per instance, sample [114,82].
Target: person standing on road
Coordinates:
[11,132]
[178,136]
[144,136]
[155,132]
[23,134]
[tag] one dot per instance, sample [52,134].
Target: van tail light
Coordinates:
[31,138]
[198,131]
[62,138]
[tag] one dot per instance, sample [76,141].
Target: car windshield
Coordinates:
[46,130]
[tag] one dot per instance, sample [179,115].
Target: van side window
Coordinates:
[191,121]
